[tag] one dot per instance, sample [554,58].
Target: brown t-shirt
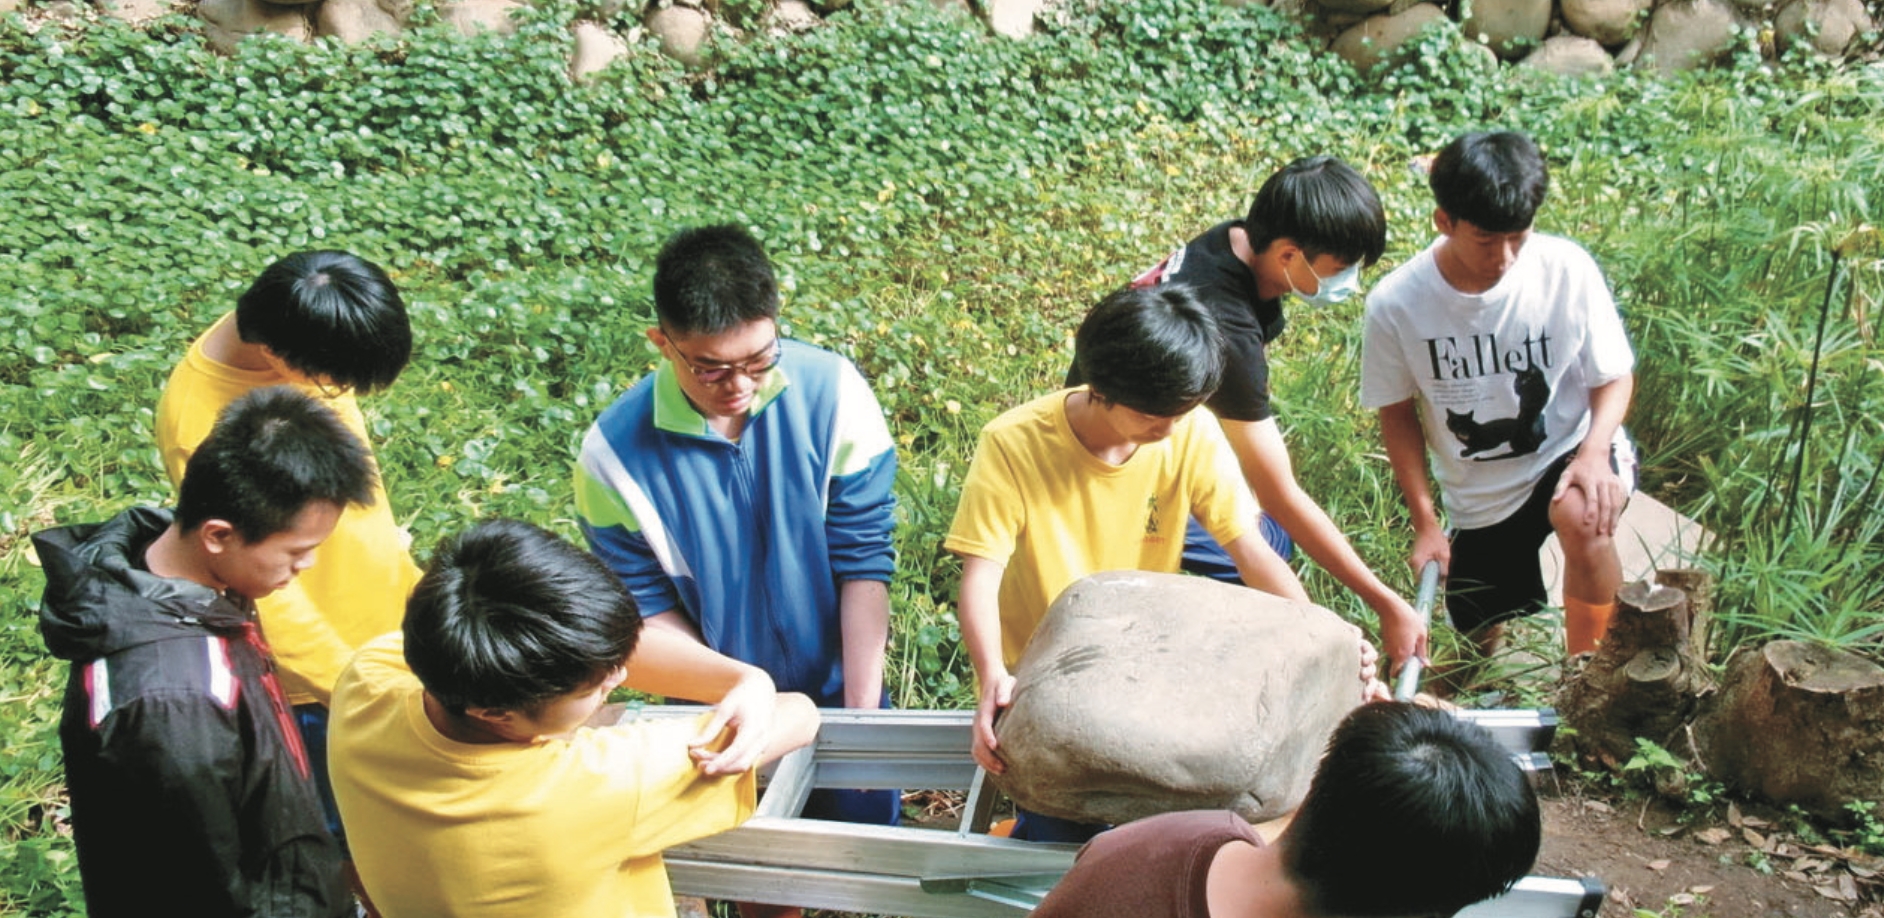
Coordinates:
[1152,868]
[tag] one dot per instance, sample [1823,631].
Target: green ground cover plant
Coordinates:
[943,207]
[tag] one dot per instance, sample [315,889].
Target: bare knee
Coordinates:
[1576,526]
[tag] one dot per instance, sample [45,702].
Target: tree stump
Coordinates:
[1796,723]
[1649,674]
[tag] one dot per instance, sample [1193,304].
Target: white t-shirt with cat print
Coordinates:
[1503,377]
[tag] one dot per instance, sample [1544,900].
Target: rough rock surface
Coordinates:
[127,10]
[227,22]
[357,20]
[1686,34]
[1012,18]
[792,16]
[1379,37]
[682,31]
[1146,693]
[1609,22]
[1825,26]
[472,16]
[596,48]
[1512,28]
[1570,55]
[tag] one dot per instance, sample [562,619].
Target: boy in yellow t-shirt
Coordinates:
[461,759]
[1097,478]
[331,324]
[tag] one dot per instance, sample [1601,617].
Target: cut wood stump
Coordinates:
[1801,724]
[1647,677]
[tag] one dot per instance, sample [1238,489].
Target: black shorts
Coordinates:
[1495,575]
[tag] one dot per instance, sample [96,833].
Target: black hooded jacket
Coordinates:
[190,789]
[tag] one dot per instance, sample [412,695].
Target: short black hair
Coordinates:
[1449,817]
[1494,181]
[272,452]
[331,315]
[1324,206]
[1154,350]
[710,279]
[509,616]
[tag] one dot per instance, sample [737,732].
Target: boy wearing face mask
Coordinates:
[1311,228]
[1504,348]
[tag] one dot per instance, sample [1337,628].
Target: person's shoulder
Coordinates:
[380,664]
[1560,251]
[1405,276]
[1025,416]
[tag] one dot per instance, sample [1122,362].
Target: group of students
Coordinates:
[427,729]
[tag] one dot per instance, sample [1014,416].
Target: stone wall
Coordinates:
[1573,37]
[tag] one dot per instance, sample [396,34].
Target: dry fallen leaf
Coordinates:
[1848,887]
[1733,814]
[1754,838]
[1700,890]
[1597,806]
[1754,822]
[1797,875]
[1681,899]
[1659,865]
[1829,892]
[1713,836]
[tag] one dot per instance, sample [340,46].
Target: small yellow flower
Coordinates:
[444,462]
[32,108]
[444,386]
[952,406]
[147,128]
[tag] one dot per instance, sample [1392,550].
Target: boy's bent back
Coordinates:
[565,827]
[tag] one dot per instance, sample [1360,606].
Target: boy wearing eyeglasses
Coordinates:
[742,490]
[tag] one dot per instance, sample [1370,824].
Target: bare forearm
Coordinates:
[979,612]
[1261,568]
[864,620]
[669,660]
[1406,452]
[1609,405]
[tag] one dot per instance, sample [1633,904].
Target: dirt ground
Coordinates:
[1743,864]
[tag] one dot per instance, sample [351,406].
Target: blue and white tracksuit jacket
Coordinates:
[749,539]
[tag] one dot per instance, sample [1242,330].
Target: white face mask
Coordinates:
[1332,290]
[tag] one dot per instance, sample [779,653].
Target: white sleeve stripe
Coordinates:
[222,679]
[98,685]
[861,434]
[600,462]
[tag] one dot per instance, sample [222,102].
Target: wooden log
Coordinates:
[1801,724]
[1647,676]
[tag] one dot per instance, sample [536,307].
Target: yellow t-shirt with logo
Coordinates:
[572,828]
[1038,502]
[357,588]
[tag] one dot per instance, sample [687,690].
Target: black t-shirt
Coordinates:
[1225,285]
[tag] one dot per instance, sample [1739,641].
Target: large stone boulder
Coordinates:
[129,10]
[1570,55]
[682,31]
[1378,38]
[1512,28]
[357,20]
[1688,34]
[1146,693]
[1012,18]
[227,22]
[470,17]
[596,48]
[1609,23]
[1826,26]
